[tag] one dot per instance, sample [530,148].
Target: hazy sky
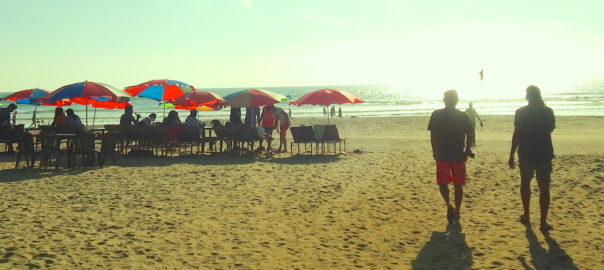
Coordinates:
[414,45]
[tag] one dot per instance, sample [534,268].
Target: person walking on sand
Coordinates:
[473,116]
[533,125]
[451,132]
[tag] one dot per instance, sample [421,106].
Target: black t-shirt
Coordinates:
[126,120]
[450,126]
[534,125]
[4,117]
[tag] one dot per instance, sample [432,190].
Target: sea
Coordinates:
[585,99]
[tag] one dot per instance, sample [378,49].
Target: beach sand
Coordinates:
[379,209]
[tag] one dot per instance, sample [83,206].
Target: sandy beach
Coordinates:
[379,209]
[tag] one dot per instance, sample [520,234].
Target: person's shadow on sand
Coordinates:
[553,258]
[445,250]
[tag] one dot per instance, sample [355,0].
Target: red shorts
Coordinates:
[450,171]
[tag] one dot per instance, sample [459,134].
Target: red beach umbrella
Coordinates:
[196,99]
[326,97]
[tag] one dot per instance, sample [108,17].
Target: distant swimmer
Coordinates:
[451,132]
[533,125]
[473,116]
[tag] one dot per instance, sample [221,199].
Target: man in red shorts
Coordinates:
[451,137]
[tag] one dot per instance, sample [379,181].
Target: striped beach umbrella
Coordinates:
[160,90]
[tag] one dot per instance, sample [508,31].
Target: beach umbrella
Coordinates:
[85,93]
[199,100]
[326,97]
[253,98]
[29,96]
[32,96]
[160,90]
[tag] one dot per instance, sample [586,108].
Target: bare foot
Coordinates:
[545,227]
[524,219]
[450,214]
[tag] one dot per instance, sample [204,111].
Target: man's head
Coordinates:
[471,105]
[58,110]
[128,110]
[152,116]
[69,112]
[451,98]
[11,107]
[193,113]
[533,95]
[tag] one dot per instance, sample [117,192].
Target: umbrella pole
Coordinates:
[164,105]
[86,112]
[93,117]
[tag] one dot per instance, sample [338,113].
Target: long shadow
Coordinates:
[552,258]
[445,250]
[21,174]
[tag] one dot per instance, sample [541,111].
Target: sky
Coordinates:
[415,46]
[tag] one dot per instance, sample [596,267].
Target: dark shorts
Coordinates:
[543,170]
[268,130]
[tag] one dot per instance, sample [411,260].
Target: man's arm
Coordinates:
[480,120]
[514,148]
[434,142]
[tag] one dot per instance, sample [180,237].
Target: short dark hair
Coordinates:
[533,95]
[451,98]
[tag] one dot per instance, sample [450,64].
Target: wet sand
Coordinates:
[379,209]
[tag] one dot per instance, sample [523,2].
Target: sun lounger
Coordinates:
[302,135]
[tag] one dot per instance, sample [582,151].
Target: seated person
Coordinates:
[172,119]
[60,119]
[5,125]
[73,121]
[193,122]
[127,119]
[148,121]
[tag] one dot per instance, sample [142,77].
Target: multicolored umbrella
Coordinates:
[87,93]
[160,90]
[29,96]
[253,98]
[326,97]
[199,100]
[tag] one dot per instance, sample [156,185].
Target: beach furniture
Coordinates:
[50,146]
[330,135]
[25,148]
[189,140]
[303,135]
[109,142]
[83,145]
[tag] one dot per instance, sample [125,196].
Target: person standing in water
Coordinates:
[533,125]
[471,112]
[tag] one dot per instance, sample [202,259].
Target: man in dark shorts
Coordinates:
[451,132]
[534,124]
